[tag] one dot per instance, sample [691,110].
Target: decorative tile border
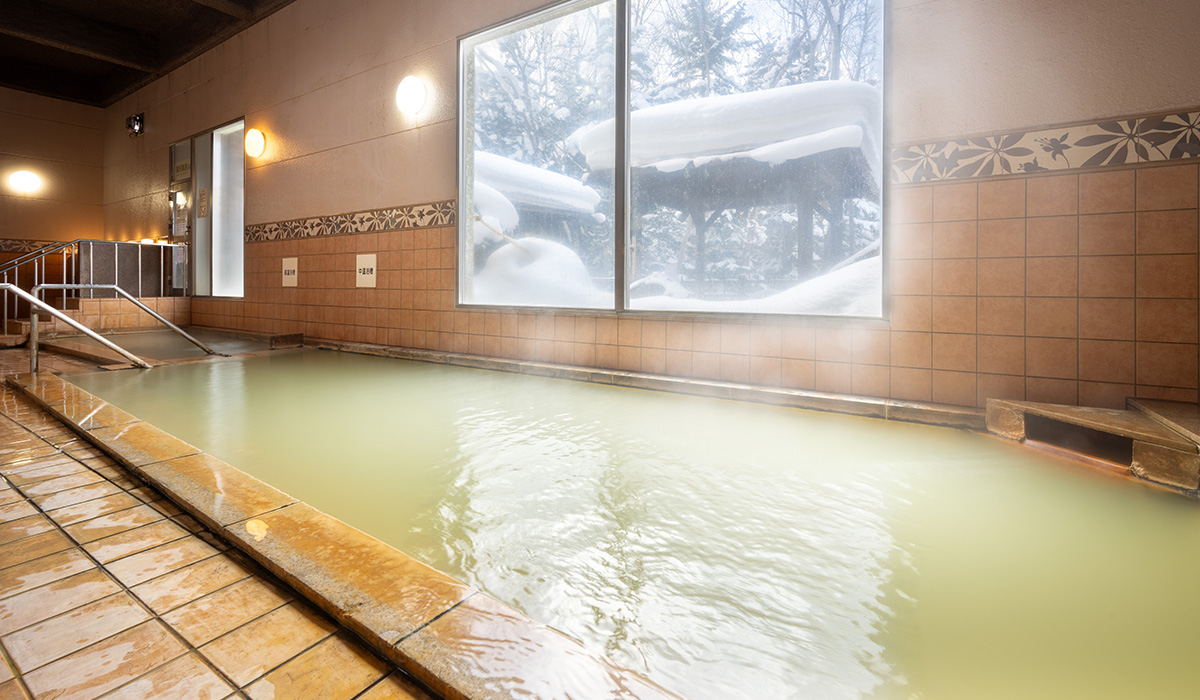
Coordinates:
[19,246]
[1150,139]
[408,217]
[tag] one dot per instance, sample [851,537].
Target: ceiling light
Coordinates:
[256,143]
[410,95]
[136,124]
[24,181]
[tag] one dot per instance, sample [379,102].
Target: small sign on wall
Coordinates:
[202,203]
[290,275]
[364,274]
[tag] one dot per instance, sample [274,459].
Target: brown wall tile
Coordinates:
[958,388]
[1051,277]
[1102,192]
[1051,357]
[912,384]
[912,313]
[1052,235]
[911,241]
[1052,317]
[999,386]
[1167,364]
[1002,238]
[1172,187]
[1002,199]
[954,351]
[1106,276]
[871,380]
[1107,361]
[1063,391]
[1001,315]
[954,239]
[872,347]
[999,354]
[1106,319]
[1002,277]
[1103,395]
[953,314]
[912,204]
[955,202]
[1167,320]
[1167,232]
[1167,276]
[1052,195]
[954,277]
[912,349]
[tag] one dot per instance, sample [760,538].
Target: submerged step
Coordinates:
[1134,439]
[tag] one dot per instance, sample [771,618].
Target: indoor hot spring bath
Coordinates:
[724,549]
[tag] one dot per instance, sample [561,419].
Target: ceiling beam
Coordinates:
[229,7]
[51,26]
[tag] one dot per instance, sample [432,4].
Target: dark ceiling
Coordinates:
[98,51]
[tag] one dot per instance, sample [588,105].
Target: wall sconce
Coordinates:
[410,95]
[136,124]
[256,143]
[24,182]
[180,199]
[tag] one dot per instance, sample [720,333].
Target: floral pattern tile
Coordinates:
[19,246]
[407,217]
[1096,145]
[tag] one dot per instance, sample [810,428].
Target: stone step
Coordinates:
[1183,418]
[1145,444]
[12,340]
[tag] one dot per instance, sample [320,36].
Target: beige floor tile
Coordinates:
[185,678]
[113,524]
[10,495]
[106,665]
[6,673]
[158,561]
[60,483]
[25,527]
[335,669]
[395,687]
[60,460]
[134,541]
[54,598]
[11,691]
[34,547]
[15,511]
[259,646]
[203,620]
[75,496]
[53,639]
[31,476]
[31,574]
[22,456]
[189,583]
[69,515]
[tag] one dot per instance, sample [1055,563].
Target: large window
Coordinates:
[676,155]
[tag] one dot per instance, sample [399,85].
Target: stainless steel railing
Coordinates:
[35,302]
[121,292]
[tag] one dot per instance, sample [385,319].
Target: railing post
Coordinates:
[33,339]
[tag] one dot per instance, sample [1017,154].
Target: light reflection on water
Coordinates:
[725,549]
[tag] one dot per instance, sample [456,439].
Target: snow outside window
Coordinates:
[754,158]
[535,232]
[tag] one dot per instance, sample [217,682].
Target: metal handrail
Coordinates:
[39,253]
[33,339]
[37,290]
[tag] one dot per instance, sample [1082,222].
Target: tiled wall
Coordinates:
[1068,288]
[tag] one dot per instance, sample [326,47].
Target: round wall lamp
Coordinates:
[410,95]
[24,181]
[256,143]
[180,199]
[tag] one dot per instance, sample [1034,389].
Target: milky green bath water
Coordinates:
[725,549]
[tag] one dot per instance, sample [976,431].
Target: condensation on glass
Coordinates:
[208,204]
[753,158]
[535,230]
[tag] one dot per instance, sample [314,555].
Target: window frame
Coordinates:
[622,187]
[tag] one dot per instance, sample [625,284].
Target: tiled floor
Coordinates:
[108,590]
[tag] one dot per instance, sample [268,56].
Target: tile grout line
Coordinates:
[126,589]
